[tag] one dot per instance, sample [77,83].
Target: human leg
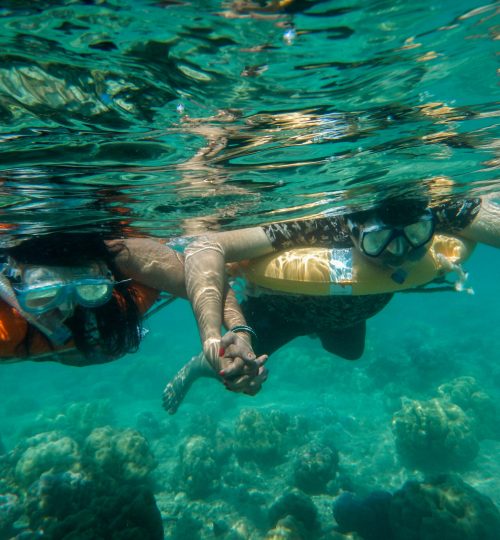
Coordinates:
[348,343]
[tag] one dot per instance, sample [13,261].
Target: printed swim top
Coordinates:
[451,217]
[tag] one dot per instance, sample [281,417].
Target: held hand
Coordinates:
[245,377]
[214,348]
[240,370]
[233,359]
[238,348]
[228,355]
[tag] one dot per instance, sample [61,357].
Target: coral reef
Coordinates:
[196,519]
[265,438]
[259,438]
[434,435]
[122,454]
[300,507]
[219,489]
[197,470]
[45,452]
[255,474]
[476,403]
[61,489]
[10,511]
[286,529]
[315,465]
[443,508]
[72,505]
[244,465]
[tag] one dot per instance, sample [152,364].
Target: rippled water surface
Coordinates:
[172,117]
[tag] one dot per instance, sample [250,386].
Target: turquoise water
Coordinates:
[172,118]
[168,114]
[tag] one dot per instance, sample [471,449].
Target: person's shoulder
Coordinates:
[456,213]
[326,230]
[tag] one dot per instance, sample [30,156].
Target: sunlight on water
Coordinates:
[225,113]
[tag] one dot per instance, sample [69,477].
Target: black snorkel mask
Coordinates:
[394,244]
[377,237]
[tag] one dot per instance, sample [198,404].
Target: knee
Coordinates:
[345,348]
[355,354]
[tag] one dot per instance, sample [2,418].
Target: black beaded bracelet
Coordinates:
[245,328]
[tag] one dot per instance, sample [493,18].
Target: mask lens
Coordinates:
[93,294]
[374,242]
[419,233]
[41,299]
[397,247]
[46,288]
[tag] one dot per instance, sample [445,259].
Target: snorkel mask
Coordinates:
[376,237]
[44,288]
[45,295]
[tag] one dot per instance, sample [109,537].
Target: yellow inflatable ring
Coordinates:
[319,271]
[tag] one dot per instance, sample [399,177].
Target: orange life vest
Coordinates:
[14,327]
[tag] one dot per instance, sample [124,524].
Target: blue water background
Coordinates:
[105,111]
[354,402]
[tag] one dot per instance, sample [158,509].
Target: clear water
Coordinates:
[171,118]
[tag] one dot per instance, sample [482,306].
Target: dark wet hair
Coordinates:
[394,211]
[102,333]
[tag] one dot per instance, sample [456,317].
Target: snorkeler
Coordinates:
[78,299]
[394,236]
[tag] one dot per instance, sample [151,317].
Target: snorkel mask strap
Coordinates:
[49,324]
[353,227]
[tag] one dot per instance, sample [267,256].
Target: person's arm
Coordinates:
[206,280]
[238,366]
[156,265]
[151,263]
[485,227]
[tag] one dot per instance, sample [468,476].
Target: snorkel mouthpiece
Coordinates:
[399,276]
[54,328]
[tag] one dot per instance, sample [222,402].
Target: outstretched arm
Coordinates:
[156,265]
[206,277]
[486,225]
[151,263]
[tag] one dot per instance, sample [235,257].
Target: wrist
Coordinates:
[245,330]
[211,349]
